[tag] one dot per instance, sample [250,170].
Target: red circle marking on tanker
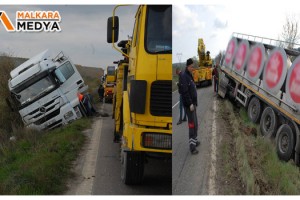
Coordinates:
[293,82]
[255,62]
[275,70]
[241,56]
[230,51]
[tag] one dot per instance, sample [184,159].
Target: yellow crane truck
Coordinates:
[109,84]
[203,73]
[143,112]
[259,75]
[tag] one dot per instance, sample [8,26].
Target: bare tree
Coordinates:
[290,32]
[218,58]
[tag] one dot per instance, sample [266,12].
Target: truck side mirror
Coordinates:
[112,29]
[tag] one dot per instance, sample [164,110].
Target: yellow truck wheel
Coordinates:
[132,167]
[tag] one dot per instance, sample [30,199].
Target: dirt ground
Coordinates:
[228,178]
[241,157]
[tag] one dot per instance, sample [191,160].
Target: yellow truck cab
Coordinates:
[147,97]
[109,84]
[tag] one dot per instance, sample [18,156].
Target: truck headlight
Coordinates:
[68,115]
[157,140]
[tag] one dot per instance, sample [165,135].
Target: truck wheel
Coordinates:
[268,123]
[285,142]
[132,169]
[254,109]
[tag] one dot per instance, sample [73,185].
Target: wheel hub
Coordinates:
[284,143]
[268,122]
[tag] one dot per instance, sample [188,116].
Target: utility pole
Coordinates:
[179,58]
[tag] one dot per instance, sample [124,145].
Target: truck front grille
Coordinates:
[55,124]
[161,98]
[47,117]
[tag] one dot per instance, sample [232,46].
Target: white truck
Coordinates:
[45,90]
[258,73]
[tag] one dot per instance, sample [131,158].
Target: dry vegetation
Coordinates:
[252,159]
[8,120]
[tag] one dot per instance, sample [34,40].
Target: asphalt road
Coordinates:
[107,180]
[194,174]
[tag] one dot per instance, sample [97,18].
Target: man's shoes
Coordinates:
[179,122]
[184,120]
[194,151]
[197,143]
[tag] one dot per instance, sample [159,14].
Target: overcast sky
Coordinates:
[83,35]
[216,23]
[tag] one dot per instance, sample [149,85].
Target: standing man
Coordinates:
[215,74]
[189,100]
[181,108]
[101,92]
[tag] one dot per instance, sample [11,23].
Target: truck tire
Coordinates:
[132,169]
[254,109]
[268,123]
[285,142]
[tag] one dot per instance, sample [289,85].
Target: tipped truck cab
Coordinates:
[44,91]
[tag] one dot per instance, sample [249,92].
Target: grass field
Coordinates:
[40,163]
[259,167]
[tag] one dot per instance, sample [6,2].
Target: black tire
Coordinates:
[132,169]
[254,110]
[285,142]
[268,123]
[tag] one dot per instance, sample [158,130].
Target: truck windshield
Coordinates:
[110,71]
[36,90]
[158,37]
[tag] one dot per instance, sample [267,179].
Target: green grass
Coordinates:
[259,167]
[284,178]
[244,168]
[245,119]
[40,163]
[8,119]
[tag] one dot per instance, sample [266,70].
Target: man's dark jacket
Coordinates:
[188,89]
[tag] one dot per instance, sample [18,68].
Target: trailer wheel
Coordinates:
[268,123]
[132,169]
[254,109]
[285,142]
